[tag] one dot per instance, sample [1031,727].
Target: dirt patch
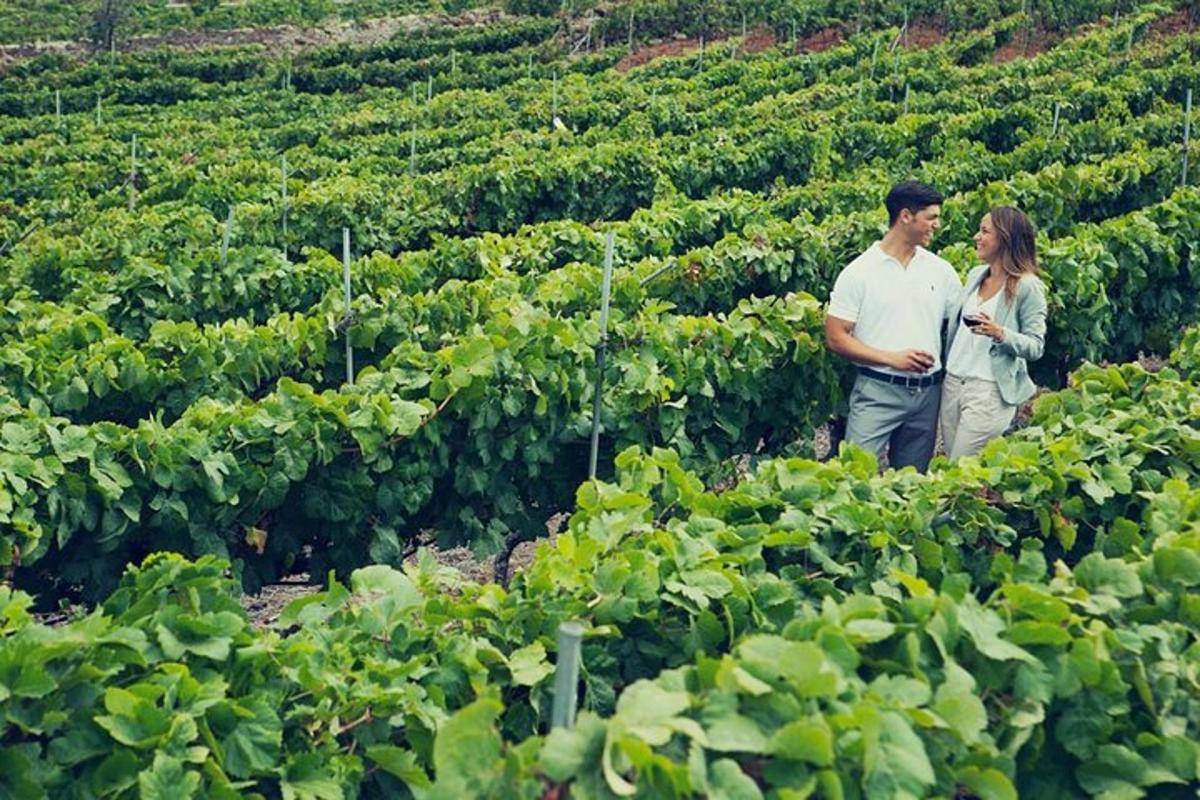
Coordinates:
[758,39]
[1152,362]
[286,37]
[264,608]
[924,34]
[821,40]
[650,52]
[1025,44]
[1181,22]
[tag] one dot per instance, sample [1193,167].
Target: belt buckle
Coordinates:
[911,382]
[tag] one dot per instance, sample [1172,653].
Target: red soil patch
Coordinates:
[758,39]
[925,34]
[821,40]
[1182,21]
[650,52]
[1025,44]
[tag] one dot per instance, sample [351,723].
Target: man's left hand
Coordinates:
[988,327]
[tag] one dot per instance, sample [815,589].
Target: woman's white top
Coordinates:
[970,355]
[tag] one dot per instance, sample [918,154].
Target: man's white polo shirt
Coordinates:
[894,307]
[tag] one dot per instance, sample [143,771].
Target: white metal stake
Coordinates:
[630,37]
[1054,126]
[793,34]
[601,353]
[554,102]
[1187,137]
[429,90]
[412,151]
[874,53]
[97,109]
[346,284]
[743,24]
[453,61]
[57,108]
[414,94]
[701,65]
[132,171]
[566,675]
[284,195]
[1024,27]
[228,235]
[288,78]
[906,93]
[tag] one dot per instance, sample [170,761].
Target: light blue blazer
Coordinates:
[1024,323]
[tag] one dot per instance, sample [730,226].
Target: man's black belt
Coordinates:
[907,381]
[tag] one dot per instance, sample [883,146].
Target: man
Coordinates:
[885,315]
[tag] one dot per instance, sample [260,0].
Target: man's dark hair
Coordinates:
[912,195]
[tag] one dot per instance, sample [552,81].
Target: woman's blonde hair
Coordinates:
[1018,246]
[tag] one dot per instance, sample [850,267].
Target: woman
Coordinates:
[1000,328]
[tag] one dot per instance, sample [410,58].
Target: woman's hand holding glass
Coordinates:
[986,326]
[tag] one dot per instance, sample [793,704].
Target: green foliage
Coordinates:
[1022,623]
[261,480]
[25,21]
[794,633]
[162,398]
[542,8]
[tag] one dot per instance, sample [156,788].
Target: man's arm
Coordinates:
[839,337]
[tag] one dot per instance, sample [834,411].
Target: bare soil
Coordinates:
[1182,21]
[924,34]
[821,40]
[649,52]
[1025,45]
[265,607]
[1151,362]
[758,39]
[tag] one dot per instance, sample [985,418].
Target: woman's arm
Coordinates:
[1029,340]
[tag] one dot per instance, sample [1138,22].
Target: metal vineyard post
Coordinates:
[1187,137]
[601,352]
[566,675]
[132,171]
[228,235]
[346,284]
